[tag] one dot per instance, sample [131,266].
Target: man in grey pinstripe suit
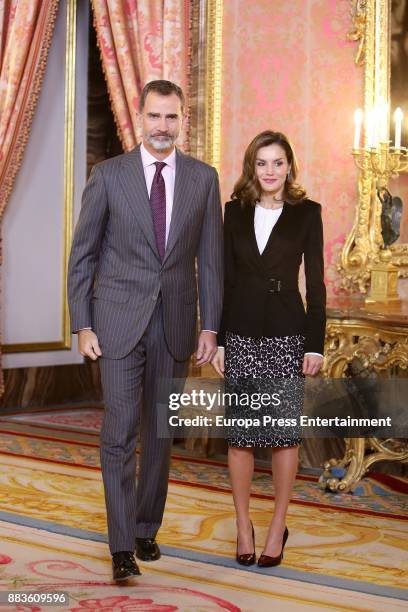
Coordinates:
[146,217]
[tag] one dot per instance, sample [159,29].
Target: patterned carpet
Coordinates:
[344,551]
[71,437]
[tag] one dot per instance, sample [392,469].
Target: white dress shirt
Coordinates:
[168,174]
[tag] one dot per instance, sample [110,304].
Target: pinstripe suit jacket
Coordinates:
[115,272]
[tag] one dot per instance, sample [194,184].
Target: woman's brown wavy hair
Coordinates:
[247,188]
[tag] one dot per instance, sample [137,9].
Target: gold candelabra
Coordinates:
[382,162]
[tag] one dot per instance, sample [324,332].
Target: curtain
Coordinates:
[141,41]
[26,28]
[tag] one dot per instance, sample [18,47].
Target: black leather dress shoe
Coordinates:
[147,549]
[124,565]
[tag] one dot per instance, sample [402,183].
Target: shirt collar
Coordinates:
[148,159]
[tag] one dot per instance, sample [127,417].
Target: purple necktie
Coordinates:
[158,204]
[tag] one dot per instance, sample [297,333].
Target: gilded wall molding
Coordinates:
[70,68]
[371,346]
[359,16]
[374,344]
[371,27]
[70,53]
[206,80]
[213,86]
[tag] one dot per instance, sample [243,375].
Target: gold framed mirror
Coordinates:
[372,20]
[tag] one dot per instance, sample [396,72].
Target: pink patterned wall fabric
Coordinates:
[140,42]
[288,66]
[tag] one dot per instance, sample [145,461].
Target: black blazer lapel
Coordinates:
[280,224]
[249,220]
[133,182]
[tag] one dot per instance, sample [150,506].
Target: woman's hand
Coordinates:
[312,364]
[217,361]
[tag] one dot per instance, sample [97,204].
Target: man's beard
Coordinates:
[161,144]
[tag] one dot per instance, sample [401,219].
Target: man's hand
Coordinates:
[312,364]
[217,361]
[88,344]
[207,347]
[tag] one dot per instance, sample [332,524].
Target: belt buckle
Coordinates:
[278,287]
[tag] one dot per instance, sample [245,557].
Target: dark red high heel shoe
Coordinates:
[267,561]
[247,558]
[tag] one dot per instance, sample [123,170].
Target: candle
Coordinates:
[398,115]
[358,119]
[371,127]
[383,118]
[377,125]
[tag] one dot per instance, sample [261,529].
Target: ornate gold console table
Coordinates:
[361,337]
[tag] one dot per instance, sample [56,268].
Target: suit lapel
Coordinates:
[250,223]
[184,188]
[134,185]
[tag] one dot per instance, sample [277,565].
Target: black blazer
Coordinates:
[261,295]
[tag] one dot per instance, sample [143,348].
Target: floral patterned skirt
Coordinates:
[259,365]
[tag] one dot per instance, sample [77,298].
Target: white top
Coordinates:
[265,219]
[169,175]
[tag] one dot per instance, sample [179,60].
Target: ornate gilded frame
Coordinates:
[206,80]
[371,27]
[70,50]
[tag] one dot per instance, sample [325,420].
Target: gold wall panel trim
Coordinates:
[361,250]
[69,113]
[35,347]
[214,82]
[70,69]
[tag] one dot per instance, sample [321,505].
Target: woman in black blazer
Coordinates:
[268,227]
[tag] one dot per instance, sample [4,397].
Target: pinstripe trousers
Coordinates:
[130,386]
